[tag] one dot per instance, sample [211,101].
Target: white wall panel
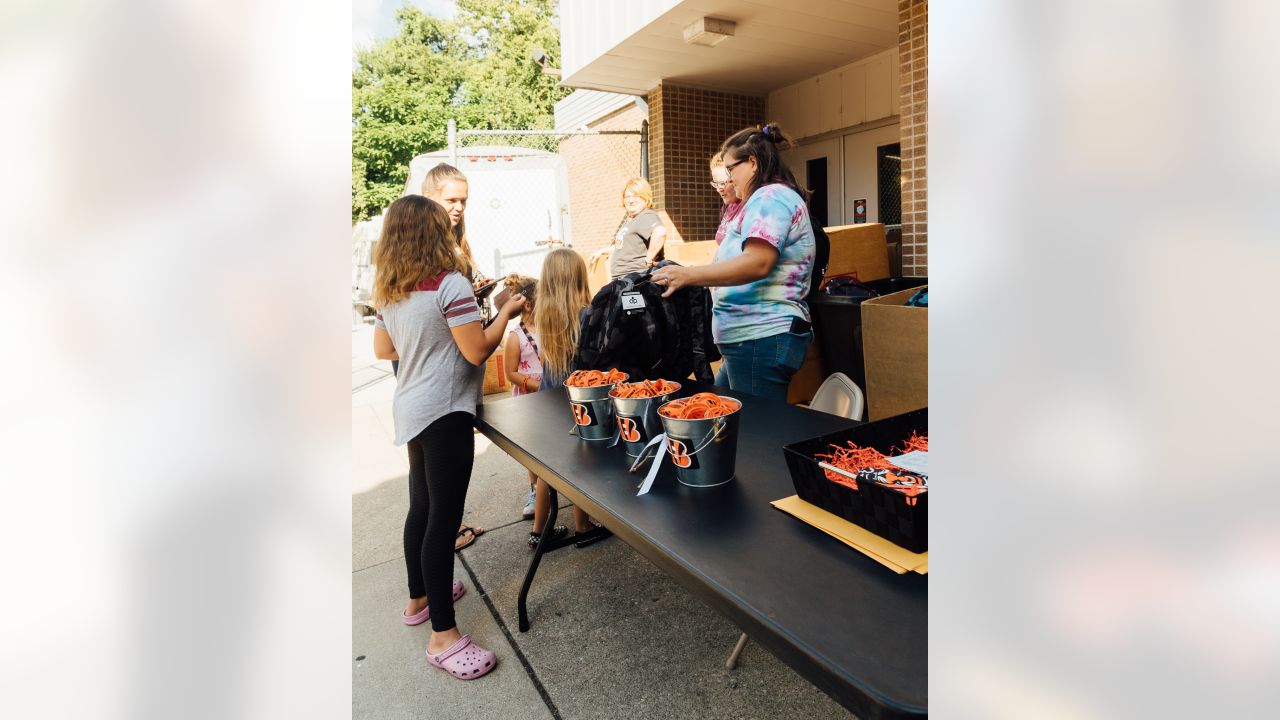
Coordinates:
[853,80]
[830,98]
[809,110]
[879,103]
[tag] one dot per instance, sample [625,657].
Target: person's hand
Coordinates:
[672,277]
[514,305]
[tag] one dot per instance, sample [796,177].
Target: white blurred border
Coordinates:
[176,192]
[1104,208]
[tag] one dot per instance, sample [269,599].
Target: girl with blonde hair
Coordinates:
[563,295]
[723,185]
[429,321]
[447,185]
[524,364]
[638,243]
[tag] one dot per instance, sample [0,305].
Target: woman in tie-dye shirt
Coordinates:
[761,271]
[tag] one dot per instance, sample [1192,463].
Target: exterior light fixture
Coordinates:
[539,56]
[709,31]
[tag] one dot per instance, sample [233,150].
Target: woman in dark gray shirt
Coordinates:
[638,244]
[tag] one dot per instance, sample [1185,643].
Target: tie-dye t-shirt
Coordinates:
[776,214]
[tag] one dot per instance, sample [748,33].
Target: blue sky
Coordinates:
[376,19]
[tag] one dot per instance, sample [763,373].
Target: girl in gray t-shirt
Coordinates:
[428,319]
[638,243]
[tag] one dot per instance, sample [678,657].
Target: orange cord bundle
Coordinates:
[592,378]
[853,459]
[646,389]
[700,406]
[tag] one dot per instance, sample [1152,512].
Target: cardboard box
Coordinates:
[690,254]
[858,249]
[598,271]
[895,350]
[495,374]
[805,383]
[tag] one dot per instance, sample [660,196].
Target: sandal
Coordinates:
[458,591]
[595,534]
[464,659]
[466,536]
[557,533]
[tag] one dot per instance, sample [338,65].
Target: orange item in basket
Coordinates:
[700,406]
[854,458]
[646,389]
[592,378]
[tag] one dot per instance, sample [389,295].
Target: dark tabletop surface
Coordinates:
[846,623]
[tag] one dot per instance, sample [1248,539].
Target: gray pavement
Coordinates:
[611,636]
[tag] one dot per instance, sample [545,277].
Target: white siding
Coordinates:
[584,107]
[590,28]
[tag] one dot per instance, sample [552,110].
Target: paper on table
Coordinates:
[917,461]
[892,556]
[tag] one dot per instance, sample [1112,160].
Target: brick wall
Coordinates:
[686,126]
[598,168]
[913,53]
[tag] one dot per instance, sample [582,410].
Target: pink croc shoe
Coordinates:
[458,591]
[464,660]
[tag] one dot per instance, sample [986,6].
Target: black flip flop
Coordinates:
[594,535]
[467,535]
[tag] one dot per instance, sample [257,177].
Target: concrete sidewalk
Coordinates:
[611,636]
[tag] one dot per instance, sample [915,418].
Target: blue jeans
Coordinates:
[763,367]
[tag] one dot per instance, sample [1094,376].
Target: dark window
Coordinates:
[889,181]
[816,182]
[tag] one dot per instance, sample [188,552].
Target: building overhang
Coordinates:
[774,43]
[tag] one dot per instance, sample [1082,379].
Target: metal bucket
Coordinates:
[703,451]
[593,412]
[638,420]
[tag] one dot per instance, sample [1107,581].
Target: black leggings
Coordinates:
[440,460]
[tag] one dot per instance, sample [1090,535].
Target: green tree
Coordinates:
[475,69]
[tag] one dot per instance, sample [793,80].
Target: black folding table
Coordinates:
[844,622]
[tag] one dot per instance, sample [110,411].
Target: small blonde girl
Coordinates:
[562,297]
[524,365]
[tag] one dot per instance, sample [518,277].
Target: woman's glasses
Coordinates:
[719,185]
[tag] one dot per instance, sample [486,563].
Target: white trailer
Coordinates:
[517,210]
[518,207]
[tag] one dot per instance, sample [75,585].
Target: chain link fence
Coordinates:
[529,191]
[534,190]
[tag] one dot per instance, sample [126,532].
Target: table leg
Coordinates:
[543,543]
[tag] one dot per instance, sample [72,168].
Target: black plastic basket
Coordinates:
[881,510]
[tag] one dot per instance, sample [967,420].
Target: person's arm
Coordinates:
[383,348]
[656,240]
[755,262]
[512,351]
[476,342]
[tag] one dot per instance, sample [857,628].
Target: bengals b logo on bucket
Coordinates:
[627,426]
[679,453]
[581,415]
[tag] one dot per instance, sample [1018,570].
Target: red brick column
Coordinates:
[913,53]
[686,126]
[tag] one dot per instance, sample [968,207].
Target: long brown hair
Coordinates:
[415,245]
[431,184]
[562,293]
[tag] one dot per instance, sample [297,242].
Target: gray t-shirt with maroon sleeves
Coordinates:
[434,378]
